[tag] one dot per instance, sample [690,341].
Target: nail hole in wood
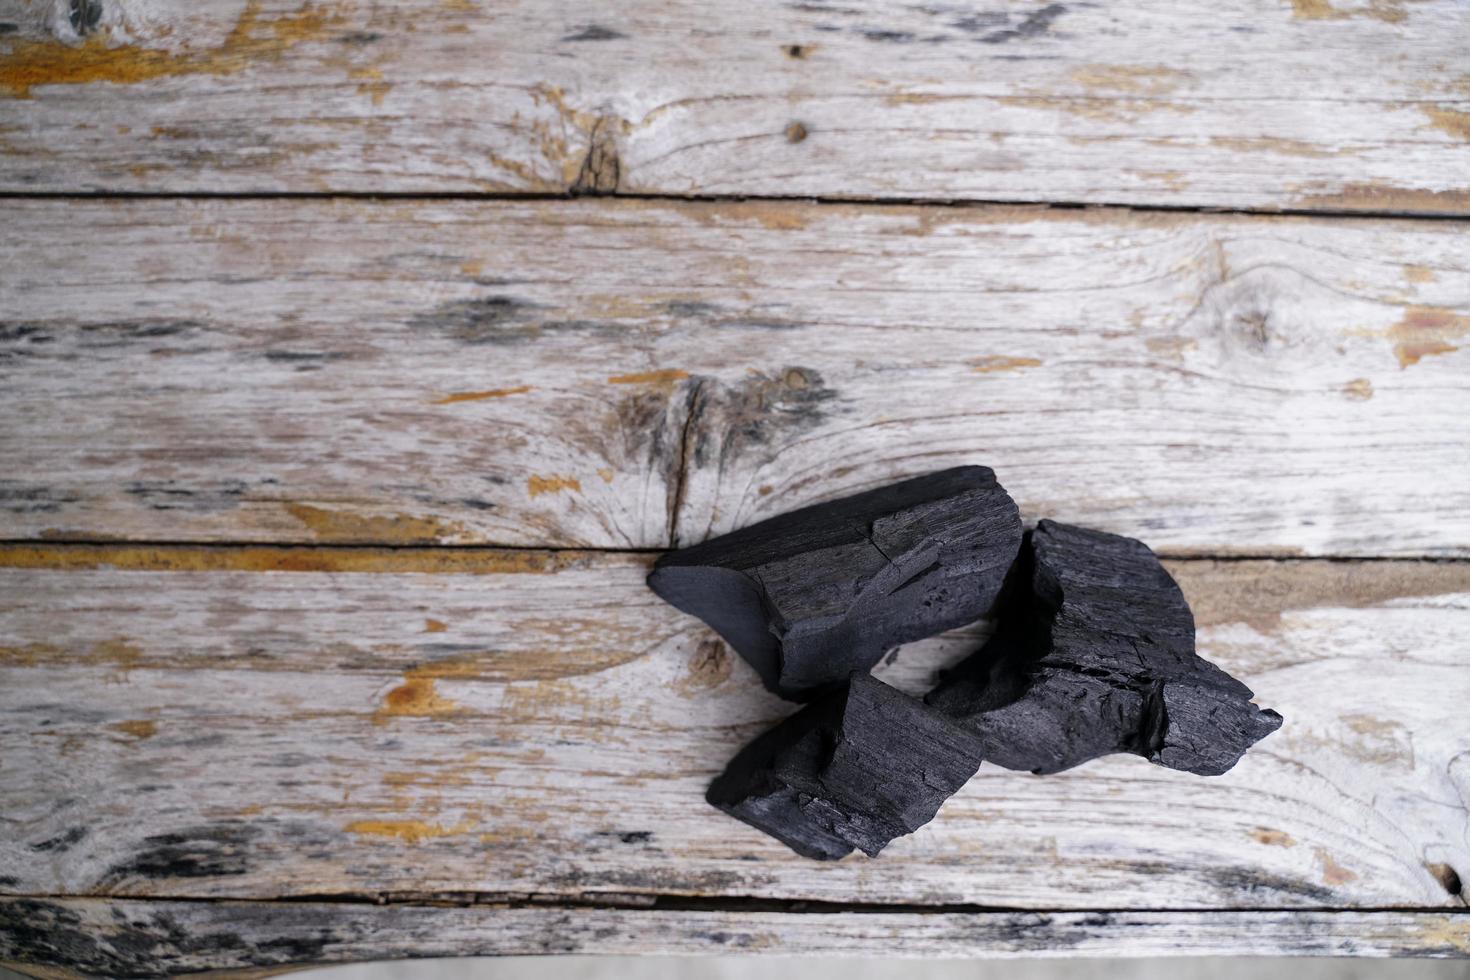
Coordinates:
[1448,878]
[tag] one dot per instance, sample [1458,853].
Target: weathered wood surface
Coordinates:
[620,374]
[1331,104]
[129,938]
[257,723]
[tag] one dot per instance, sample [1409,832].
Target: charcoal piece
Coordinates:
[814,594]
[856,767]
[1094,654]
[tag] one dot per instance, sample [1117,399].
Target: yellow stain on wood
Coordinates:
[1388,11]
[606,473]
[927,220]
[475,396]
[139,728]
[1372,197]
[1418,273]
[28,64]
[666,377]
[414,698]
[1134,79]
[1447,932]
[535,701]
[1174,180]
[1260,593]
[377,91]
[1369,725]
[288,558]
[1174,347]
[537,485]
[987,365]
[1101,108]
[1457,124]
[1377,741]
[709,667]
[434,626]
[372,85]
[1272,838]
[529,174]
[1358,389]
[920,98]
[431,780]
[119,653]
[1271,144]
[341,526]
[771,215]
[409,831]
[1332,872]
[1425,331]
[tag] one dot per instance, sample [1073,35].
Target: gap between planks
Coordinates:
[290,556]
[653,902]
[887,201]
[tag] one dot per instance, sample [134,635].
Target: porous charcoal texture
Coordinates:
[810,596]
[857,767]
[1094,654]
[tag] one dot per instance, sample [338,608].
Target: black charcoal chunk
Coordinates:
[812,595]
[1094,654]
[856,767]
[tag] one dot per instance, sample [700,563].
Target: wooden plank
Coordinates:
[1335,104]
[130,938]
[258,723]
[617,374]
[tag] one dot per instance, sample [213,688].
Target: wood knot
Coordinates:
[1254,327]
[601,169]
[85,15]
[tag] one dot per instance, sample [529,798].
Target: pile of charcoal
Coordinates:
[1093,653]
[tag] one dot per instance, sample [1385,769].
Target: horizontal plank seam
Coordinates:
[51,544]
[877,202]
[730,903]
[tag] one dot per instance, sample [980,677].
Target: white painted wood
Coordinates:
[1332,104]
[574,373]
[425,721]
[117,936]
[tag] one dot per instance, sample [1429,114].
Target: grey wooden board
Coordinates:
[624,374]
[121,938]
[207,722]
[1317,104]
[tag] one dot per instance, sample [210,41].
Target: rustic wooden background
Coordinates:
[356,359]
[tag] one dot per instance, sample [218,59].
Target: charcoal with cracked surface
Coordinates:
[857,767]
[812,595]
[1094,654]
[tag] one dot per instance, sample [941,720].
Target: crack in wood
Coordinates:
[693,410]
